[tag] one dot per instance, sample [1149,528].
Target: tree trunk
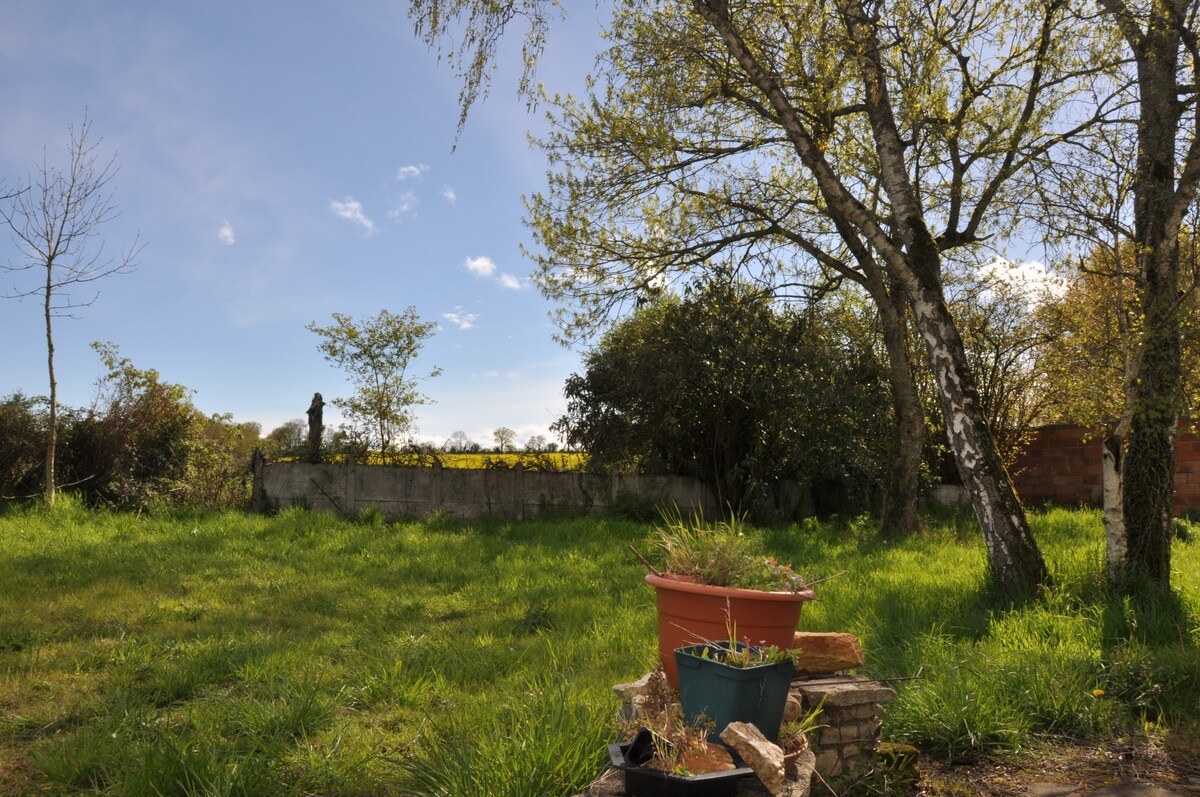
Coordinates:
[1148,476]
[1148,473]
[1015,562]
[316,426]
[902,488]
[52,426]
[1115,535]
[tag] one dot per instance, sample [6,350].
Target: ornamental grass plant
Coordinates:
[727,553]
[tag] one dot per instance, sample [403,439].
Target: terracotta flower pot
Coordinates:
[690,613]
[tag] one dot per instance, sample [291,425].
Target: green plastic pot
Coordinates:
[723,693]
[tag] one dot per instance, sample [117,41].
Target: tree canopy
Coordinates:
[723,385]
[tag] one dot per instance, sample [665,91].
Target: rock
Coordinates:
[797,780]
[761,755]
[843,692]
[638,688]
[827,652]
[794,709]
[633,696]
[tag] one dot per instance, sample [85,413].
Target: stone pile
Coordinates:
[851,705]
[850,719]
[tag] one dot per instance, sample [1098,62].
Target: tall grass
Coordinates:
[225,654]
[1073,661]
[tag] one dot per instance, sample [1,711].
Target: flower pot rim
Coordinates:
[682,583]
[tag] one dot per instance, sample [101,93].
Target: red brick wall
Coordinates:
[1062,465]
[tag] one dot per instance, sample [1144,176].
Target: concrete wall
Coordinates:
[514,493]
[1062,465]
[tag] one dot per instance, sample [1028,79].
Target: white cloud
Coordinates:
[461,320]
[1030,279]
[449,195]
[404,207]
[351,210]
[225,234]
[484,266]
[411,171]
[480,266]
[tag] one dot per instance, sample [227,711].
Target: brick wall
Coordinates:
[1062,465]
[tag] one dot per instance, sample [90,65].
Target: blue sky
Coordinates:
[281,162]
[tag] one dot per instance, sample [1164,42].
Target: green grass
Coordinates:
[227,654]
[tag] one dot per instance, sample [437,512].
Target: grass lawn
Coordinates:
[304,654]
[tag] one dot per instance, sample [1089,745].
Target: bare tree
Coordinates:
[54,220]
[458,441]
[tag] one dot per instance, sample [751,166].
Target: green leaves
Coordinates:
[726,386]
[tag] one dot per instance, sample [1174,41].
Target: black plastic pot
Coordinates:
[645,782]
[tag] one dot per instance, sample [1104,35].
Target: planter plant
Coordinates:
[713,577]
[667,756]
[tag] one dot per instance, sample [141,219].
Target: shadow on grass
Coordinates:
[1151,660]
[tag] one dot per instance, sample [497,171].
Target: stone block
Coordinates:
[843,692]
[869,730]
[827,652]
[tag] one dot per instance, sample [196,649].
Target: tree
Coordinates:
[915,125]
[478,28]
[1162,38]
[504,438]
[288,439]
[1093,363]
[376,355]
[1090,361]
[536,443]
[54,220]
[458,442]
[22,430]
[723,385]
[893,154]
[1122,196]
[1004,311]
[135,446]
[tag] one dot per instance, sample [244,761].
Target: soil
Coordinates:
[712,758]
[1087,768]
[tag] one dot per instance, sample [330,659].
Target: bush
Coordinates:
[22,445]
[142,443]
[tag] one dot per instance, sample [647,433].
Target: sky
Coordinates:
[282,162]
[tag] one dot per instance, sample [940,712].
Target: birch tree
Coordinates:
[902,130]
